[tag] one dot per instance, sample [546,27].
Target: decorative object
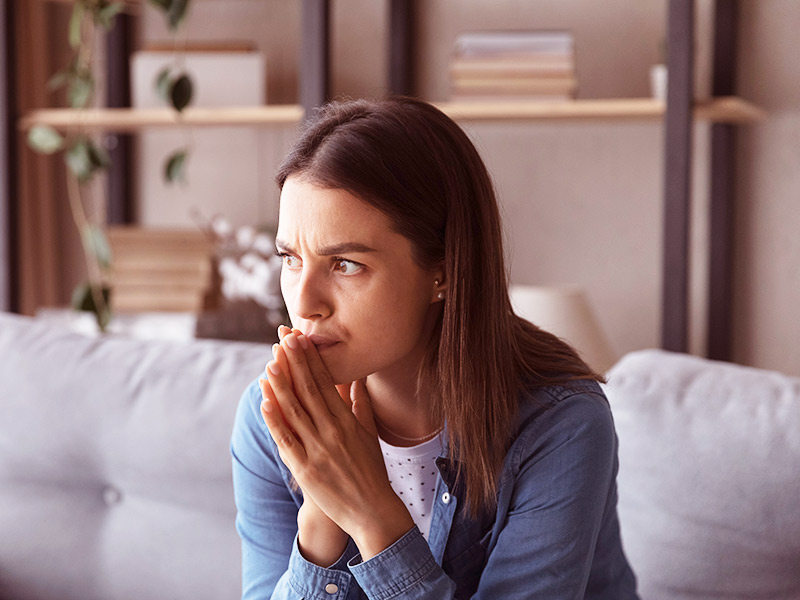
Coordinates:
[564,311]
[226,162]
[249,270]
[658,82]
[658,74]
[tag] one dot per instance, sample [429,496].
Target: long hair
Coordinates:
[410,161]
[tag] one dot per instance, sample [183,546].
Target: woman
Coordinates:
[412,437]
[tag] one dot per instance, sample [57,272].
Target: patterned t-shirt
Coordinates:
[412,473]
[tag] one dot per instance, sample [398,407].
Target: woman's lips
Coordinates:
[322,343]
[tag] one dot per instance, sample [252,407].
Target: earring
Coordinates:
[440,295]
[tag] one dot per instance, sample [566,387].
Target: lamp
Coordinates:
[564,311]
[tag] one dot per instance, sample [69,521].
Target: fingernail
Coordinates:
[266,405]
[273,367]
[303,341]
[275,350]
[291,341]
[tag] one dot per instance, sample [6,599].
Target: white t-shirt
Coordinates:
[412,473]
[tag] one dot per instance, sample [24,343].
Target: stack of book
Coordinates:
[514,65]
[157,270]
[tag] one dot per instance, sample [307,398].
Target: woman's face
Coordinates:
[350,283]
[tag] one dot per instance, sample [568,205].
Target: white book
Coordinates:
[497,43]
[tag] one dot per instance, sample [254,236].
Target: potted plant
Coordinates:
[84,156]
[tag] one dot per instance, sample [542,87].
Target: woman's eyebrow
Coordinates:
[343,248]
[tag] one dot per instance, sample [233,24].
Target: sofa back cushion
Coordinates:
[115,474]
[709,482]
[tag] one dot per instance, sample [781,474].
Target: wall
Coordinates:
[583,201]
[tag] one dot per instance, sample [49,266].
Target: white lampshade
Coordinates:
[565,312]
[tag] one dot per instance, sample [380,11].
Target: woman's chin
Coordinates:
[342,373]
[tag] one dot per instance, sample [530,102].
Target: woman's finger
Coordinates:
[291,450]
[362,406]
[316,388]
[323,378]
[292,410]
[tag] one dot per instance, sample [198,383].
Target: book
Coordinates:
[513,65]
[540,85]
[514,43]
[517,67]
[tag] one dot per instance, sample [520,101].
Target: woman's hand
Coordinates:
[321,541]
[330,445]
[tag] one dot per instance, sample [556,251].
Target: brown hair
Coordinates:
[409,160]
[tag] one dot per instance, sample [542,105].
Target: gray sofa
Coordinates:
[115,473]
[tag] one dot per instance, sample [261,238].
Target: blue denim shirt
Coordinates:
[554,533]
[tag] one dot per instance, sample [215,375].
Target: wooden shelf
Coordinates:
[124,120]
[723,110]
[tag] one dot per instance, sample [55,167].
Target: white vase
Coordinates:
[658,82]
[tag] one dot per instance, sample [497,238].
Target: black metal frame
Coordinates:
[677,175]
[677,181]
[315,55]
[8,142]
[723,178]
[119,46]
[401,47]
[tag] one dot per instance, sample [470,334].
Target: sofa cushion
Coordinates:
[709,482]
[115,474]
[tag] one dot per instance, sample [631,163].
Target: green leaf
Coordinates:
[99,157]
[79,160]
[76,24]
[177,12]
[83,300]
[174,169]
[105,15]
[181,92]
[80,90]
[96,243]
[164,84]
[59,80]
[45,139]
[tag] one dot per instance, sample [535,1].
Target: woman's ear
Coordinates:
[439,288]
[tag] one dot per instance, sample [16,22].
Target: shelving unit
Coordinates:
[724,112]
[122,120]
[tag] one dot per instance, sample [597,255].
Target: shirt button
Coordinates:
[331,588]
[446,498]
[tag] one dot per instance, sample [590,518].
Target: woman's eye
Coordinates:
[289,260]
[348,267]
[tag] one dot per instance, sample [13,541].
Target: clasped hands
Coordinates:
[326,436]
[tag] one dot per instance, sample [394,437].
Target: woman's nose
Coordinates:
[311,298]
